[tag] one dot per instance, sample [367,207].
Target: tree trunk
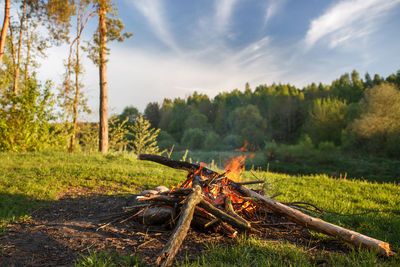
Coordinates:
[103,134]
[77,85]
[28,53]
[21,32]
[4,29]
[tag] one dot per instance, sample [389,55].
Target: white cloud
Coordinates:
[155,76]
[223,13]
[139,75]
[273,8]
[153,11]
[347,21]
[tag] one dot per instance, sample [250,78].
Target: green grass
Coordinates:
[106,259]
[297,160]
[28,181]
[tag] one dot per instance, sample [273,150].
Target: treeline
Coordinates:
[353,113]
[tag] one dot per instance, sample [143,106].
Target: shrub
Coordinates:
[212,141]
[145,137]
[193,138]
[165,140]
[231,141]
[327,147]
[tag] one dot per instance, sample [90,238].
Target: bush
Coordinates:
[193,138]
[27,121]
[327,118]
[145,137]
[212,141]
[165,140]
[231,141]
[327,147]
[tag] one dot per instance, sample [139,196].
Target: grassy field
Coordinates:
[28,181]
[296,160]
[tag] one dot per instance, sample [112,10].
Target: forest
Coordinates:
[358,114]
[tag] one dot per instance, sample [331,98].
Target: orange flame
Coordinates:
[244,147]
[235,167]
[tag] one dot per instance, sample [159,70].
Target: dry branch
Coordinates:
[319,225]
[224,216]
[181,229]
[229,209]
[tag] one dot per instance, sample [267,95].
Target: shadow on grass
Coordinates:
[17,206]
[67,231]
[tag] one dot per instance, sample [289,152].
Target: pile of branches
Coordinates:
[211,201]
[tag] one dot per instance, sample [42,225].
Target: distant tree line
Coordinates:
[351,113]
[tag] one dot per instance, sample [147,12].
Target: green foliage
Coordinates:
[232,142]
[382,111]
[193,138]
[166,114]
[326,120]
[27,121]
[145,138]
[88,136]
[107,259]
[115,31]
[118,132]
[130,114]
[179,114]
[212,141]
[165,140]
[249,125]
[152,114]
[379,124]
[197,120]
[304,158]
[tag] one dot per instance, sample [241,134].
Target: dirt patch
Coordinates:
[56,235]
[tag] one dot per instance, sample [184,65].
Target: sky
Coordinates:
[211,46]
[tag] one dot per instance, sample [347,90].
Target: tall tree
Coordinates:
[4,29]
[17,55]
[54,15]
[152,114]
[74,101]
[109,29]
[103,134]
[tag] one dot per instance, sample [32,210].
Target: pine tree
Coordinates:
[145,138]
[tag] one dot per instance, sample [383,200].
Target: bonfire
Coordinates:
[212,202]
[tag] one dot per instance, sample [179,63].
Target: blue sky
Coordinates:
[179,46]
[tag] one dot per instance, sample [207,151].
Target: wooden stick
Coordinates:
[181,165]
[162,198]
[319,225]
[179,192]
[181,229]
[252,182]
[223,216]
[229,209]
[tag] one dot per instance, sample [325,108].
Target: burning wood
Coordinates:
[215,202]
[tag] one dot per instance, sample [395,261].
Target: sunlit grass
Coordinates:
[28,181]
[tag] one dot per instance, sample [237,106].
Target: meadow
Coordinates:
[29,181]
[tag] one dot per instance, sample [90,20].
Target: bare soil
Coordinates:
[57,234]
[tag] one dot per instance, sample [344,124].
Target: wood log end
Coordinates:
[385,249]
